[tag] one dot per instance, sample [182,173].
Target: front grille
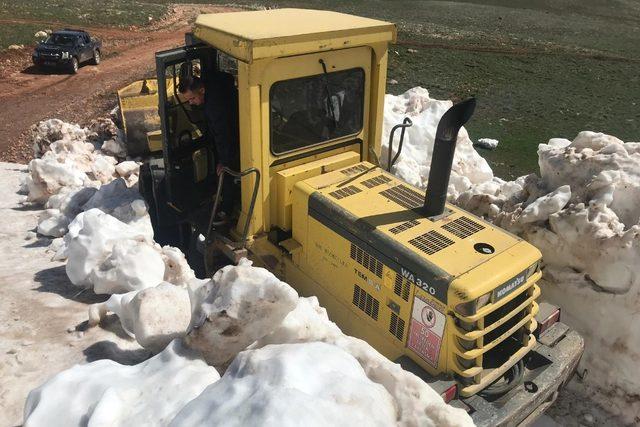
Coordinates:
[345,192]
[463,227]
[375,181]
[404,196]
[363,258]
[402,287]
[396,326]
[404,226]
[365,302]
[431,242]
[498,356]
[499,313]
[353,170]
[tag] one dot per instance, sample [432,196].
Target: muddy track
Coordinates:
[28,95]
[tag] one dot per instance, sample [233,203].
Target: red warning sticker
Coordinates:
[426,330]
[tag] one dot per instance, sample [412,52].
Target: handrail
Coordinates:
[214,211]
[406,123]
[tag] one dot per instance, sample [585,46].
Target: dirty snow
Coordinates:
[582,212]
[487,143]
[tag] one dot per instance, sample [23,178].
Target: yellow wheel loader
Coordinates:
[447,295]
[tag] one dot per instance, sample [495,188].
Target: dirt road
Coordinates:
[28,95]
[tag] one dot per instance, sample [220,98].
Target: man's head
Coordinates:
[192,90]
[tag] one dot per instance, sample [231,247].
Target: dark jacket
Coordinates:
[221,113]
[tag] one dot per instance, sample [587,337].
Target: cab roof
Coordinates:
[253,35]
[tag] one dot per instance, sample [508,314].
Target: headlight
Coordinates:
[472,307]
[532,269]
[65,55]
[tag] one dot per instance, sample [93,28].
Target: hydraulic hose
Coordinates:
[496,389]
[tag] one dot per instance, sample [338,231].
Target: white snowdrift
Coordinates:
[106,393]
[239,305]
[414,162]
[583,213]
[312,384]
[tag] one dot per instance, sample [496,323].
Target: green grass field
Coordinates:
[539,68]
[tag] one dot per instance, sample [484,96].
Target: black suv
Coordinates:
[67,48]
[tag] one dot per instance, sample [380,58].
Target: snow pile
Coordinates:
[153,316]
[112,257]
[296,367]
[273,386]
[239,305]
[68,155]
[107,393]
[413,165]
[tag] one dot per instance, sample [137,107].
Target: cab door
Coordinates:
[188,154]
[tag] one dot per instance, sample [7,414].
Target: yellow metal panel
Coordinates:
[287,178]
[154,141]
[254,35]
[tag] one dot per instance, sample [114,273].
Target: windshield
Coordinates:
[315,109]
[61,39]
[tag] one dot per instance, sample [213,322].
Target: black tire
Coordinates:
[96,57]
[73,65]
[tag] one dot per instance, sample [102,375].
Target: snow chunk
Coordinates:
[546,205]
[110,256]
[312,384]
[487,143]
[237,306]
[153,316]
[107,393]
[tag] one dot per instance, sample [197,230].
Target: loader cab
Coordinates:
[310,90]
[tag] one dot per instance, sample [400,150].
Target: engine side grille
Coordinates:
[404,226]
[404,196]
[363,258]
[431,242]
[375,181]
[345,192]
[396,326]
[463,227]
[353,170]
[402,287]
[365,302]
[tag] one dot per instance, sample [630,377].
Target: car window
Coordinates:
[61,39]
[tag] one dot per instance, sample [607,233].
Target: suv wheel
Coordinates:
[73,65]
[96,57]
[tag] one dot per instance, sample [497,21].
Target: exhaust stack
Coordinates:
[443,150]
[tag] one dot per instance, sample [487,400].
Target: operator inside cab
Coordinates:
[218,97]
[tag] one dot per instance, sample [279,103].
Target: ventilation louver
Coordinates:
[345,192]
[396,326]
[354,170]
[404,196]
[365,302]
[402,287]
[375,181]
[463,227]
[431,242]
[404,226]
[363,258]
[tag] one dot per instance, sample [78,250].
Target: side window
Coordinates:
[315,109]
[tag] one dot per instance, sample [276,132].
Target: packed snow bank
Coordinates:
[415,159]
[239,305]
[314,384]
[107,393]
[583,213]
[487,143]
